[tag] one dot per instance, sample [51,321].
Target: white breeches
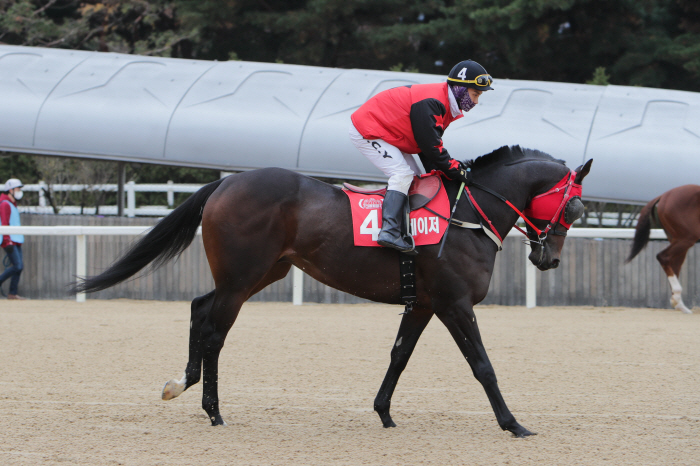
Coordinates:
[399,166]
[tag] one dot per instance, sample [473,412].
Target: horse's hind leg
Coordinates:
[223,314]
[411,328]
[224,311]
[671,260]
[199,310]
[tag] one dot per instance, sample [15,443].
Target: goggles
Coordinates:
[483,80]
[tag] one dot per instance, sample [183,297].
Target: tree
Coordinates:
[145,27]
[686,46]
[599,77]
[565,40]
[652,43]
[53,171]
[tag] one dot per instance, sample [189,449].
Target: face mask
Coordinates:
[462,95]
[18,195]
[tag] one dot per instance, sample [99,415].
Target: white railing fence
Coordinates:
[130,190]
[608,219]
[81,232]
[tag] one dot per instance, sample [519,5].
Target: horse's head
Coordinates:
[551,214]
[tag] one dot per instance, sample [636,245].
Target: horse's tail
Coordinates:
[164,242]
[643,229]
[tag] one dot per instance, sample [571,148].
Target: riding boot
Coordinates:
[393,213]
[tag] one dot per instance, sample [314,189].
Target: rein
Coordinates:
[541,234]
[507,202]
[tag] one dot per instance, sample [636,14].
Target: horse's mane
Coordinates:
[509,154]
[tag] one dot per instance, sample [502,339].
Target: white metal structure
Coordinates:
[244,115]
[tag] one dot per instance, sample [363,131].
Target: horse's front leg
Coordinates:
[460,320]
[411,328]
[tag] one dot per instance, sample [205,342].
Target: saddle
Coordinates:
[423,189]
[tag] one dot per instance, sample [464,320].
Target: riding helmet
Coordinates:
[469,73]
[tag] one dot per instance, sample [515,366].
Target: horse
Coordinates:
[678,213]
[257,224]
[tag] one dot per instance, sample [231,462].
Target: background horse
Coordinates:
[678,213]
[256,224]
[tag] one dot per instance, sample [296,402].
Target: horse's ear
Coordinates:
[582,171]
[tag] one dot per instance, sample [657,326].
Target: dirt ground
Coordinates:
[81,384]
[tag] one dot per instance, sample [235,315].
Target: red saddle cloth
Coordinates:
[427,191]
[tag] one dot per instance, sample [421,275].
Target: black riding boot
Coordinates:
[393,213]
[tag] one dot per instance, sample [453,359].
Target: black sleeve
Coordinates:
[427,163]
[427,118]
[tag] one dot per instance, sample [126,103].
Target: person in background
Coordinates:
[12,244]
[407,120]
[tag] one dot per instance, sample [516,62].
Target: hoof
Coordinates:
[172,389]
[527,433]
[521,432]
[218,422]
[385,417]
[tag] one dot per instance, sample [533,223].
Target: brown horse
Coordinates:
[256,224]
[678,213]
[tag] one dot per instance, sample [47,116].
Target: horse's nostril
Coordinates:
[555,263]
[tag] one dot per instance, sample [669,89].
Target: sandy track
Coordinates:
[80,384]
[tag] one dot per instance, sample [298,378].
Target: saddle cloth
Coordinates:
[427,191]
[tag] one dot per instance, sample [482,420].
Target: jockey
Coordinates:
[407,120]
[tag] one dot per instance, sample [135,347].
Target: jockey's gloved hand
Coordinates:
[457,171]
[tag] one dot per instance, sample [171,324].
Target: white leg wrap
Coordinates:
[676,295]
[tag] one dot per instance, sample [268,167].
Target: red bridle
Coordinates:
[551,204]
[542,207]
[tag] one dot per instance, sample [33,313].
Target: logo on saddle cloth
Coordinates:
[427,192]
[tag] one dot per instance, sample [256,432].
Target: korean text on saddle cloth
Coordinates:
[427,228]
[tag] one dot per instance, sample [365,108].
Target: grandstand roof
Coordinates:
[242,115]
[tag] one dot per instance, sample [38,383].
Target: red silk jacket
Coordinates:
[411,118]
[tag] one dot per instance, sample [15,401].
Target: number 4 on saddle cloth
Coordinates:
[426,197]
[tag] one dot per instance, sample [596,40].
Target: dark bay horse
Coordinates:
[678,213]
[256,224]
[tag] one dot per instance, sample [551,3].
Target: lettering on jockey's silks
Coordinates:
[378,146]
[425,225]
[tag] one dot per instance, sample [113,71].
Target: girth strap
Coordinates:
[407,281]
[470,226]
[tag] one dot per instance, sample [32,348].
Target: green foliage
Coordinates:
[146,27]
[399,67]
[599,77]
[652,43]
[151,173]
[22,166]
